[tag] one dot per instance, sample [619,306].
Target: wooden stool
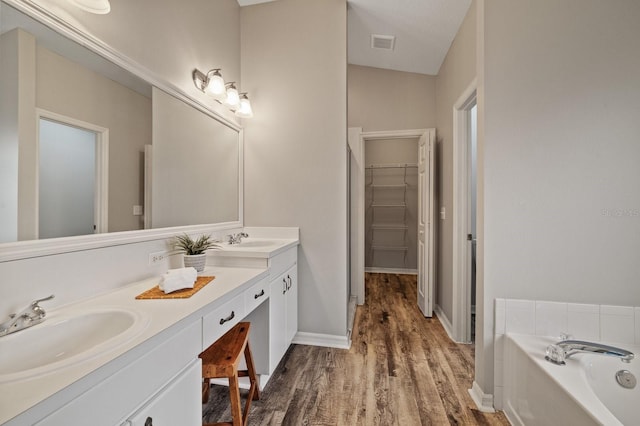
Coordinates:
[221,360]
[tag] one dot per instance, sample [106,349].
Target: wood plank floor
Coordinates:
[402,369]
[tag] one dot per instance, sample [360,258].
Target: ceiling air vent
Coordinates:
[385,42]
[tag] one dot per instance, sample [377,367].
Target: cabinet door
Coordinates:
[178,403]
[277,321]
[291,277]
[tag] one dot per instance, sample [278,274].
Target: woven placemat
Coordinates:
[156,293]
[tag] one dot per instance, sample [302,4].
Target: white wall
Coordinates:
[294,66]
[559,101]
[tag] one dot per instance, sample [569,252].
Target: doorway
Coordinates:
[72,177]
[464,215]
[391,203]
[361,208]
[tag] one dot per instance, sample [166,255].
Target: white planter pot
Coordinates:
[195,260]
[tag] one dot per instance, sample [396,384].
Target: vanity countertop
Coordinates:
[255,247]
[161,315]
[34,397]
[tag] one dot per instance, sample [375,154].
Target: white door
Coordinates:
[426,223]
[67,180]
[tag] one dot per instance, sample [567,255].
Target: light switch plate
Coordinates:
[443,213]
[137,210]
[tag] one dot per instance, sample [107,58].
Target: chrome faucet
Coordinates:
[237,238]
[562,350]
[28,317]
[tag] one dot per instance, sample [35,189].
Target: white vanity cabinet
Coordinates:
[178,403]
[283,309]
[291,302]
[155,379]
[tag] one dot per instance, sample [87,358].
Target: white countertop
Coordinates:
[43,392]
[255,247]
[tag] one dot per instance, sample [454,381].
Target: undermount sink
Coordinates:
[66,339]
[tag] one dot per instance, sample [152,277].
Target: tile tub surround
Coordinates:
[618,325]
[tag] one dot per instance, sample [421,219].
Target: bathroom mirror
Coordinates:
[67,84]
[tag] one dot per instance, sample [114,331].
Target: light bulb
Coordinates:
[233,99]
[244,107]
[99,7]
[215,83]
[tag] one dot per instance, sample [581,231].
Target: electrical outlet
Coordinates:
[157,257]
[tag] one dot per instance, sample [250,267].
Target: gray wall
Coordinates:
[66,88]
[294,65]
[390,100]
[559,101]
[456,73]
[204,35]
[195,166]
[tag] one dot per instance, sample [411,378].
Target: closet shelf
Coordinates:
[392,166]
[387,187]
[389,205]
[390,226]
[390,248]
[400,186]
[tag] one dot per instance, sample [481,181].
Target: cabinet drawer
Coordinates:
[280,263]
[218,322]
[255,295]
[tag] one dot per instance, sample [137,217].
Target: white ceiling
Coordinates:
[423,30]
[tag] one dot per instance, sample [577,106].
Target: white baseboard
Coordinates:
[484,401]
[446,324]
[325,340]
[391,271]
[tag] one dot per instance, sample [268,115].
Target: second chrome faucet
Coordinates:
[237,238]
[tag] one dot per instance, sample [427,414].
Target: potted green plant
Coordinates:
[194,250]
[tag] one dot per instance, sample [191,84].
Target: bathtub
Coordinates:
[582,392]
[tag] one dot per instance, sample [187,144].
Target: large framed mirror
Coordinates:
[92,154]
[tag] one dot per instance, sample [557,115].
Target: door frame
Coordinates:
[101,200]
[357,140]
[461,211]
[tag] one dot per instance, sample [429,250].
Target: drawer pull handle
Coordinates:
[284,286]
[229,318]
[148,422]
[289,283]
[259,294]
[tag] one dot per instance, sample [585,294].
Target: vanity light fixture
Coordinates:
[213,84]
[99,7]
[233,98]
[244,107]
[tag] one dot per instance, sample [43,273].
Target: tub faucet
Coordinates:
[237,238]
[562,350]
[28,317]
